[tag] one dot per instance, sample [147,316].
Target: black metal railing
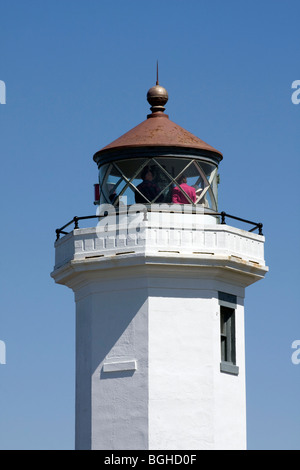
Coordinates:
[74,221]
[223,215]
[256,225]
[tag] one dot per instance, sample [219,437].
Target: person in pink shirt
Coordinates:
[178,197]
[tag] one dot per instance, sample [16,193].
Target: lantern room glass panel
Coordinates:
[159,180]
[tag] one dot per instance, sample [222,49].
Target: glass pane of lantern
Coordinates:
[207,187]
[163,180]
[131,168]
[128,178]
[130,192]
[168,171]
[110,184]
[141,176]
[214,189]
[132,172]
[103,174]
[207,200]
[149,190]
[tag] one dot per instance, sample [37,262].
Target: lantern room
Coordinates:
[158,162]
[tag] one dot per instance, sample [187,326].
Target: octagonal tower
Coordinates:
[159,288]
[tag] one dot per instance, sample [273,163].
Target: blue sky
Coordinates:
[76,74]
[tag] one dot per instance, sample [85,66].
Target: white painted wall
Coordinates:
[192,405]
[181,401]
[112,367]
[158,338]
[148,336]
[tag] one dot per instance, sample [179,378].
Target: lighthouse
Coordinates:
[159,282]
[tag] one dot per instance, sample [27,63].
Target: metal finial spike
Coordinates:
[157,83]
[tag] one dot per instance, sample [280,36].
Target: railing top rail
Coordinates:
[256,225]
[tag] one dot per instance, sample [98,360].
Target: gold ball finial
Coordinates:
[157,96]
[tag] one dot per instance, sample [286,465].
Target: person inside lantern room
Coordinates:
[178,197]
[147,188]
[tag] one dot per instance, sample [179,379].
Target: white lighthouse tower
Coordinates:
[159,287]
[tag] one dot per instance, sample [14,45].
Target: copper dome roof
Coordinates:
[158,131]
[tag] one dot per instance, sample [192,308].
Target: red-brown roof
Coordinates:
[158,130]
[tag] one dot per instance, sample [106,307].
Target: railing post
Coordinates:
[75,223]
[223,215]
[57,233]
[260,226]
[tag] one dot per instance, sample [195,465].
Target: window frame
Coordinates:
[228,340]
